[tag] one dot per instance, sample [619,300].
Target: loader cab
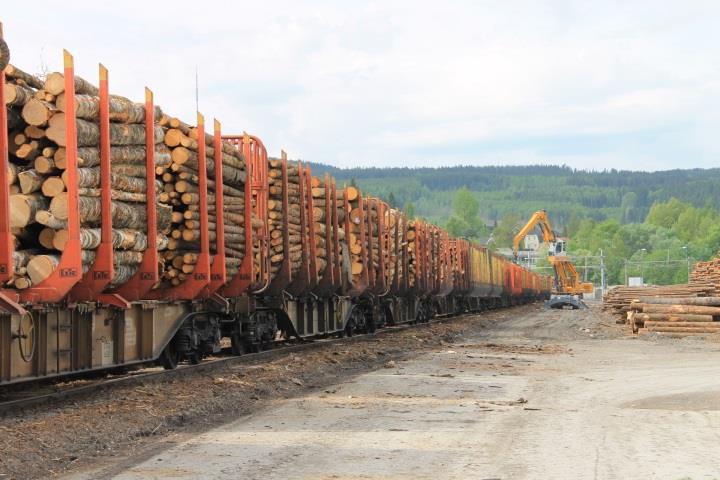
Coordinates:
[557,248]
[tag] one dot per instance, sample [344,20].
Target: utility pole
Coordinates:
[602,271]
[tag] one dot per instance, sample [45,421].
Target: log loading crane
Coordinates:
[568,287]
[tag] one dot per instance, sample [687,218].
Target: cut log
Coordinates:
[24,207]
[55,85]
[44,217]
[53,186]
[28,151]
[88,134]
[45,238]
[45,165]
[37,112]
[90,178]
[41,267]
[122,109]
[17,95]
[36,133]
[12,173]
[30,181]
[26,79]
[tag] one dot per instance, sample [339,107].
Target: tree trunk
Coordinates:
[122,109]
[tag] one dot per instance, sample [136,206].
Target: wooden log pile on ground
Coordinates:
[618,299]
[677,310]
[678,316]
[707,273]
[179,189]
[38,181]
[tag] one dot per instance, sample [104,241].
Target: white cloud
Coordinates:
[406,83]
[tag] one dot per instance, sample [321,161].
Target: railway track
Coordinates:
[17,400]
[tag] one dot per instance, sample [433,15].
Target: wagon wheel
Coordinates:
[26,335]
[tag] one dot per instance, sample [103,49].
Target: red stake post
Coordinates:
[194,285]
[218,272]
[147,275]
[6,243]
[69,270]
[101,273]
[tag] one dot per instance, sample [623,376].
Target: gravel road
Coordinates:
[536,394]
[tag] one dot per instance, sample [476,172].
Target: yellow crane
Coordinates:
[567,278]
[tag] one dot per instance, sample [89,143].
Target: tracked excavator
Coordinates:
[568,288]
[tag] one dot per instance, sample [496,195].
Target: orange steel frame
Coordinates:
[69,270]
[101,272]
[256,188]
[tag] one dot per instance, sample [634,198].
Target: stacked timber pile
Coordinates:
[353,236]
[707,273]
[679,316]
[412,254]
[320,199]
[276,218]
[373,235]
[38,183]
[391,244]
[179,188]
[618,299]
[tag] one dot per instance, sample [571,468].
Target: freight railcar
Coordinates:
[128,236]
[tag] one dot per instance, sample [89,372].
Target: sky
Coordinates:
[588,84]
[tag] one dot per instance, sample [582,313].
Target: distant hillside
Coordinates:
[566,193]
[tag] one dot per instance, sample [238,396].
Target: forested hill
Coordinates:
[569,194]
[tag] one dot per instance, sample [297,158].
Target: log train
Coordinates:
[128,236]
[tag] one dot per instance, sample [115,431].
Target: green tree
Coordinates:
[506,229]
[391,200]
[409,209]
[465,220]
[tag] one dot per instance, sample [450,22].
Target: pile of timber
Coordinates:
[679,316]
[276,217]
[391,244]
[618,299]
[707,273]
[355,217]
[320,198]
[38,181]
[412,254]
[179,189]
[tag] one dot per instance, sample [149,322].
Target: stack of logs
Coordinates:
[707,273]
[412,254]
[275,217]
[391,245]
[39,199]
[355,248]
[179,189]
[680,316]
[320,199]
[618,299]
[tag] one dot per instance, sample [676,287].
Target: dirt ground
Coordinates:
[523,393]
